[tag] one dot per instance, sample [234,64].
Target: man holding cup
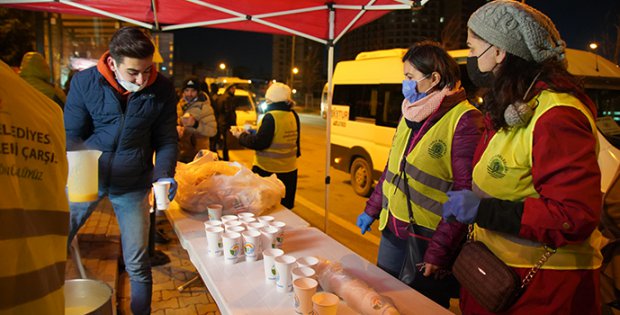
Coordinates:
[123,108]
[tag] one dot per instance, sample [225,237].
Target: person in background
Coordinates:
[213,88]
[34,211]
[226,117]
[277,141]
[431,156]
[36,71]
[536,181]
[196,121]
[125,109]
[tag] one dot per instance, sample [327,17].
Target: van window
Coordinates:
[368,102]
[242,102]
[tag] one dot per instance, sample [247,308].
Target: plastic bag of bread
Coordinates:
[358,295]
[206,181]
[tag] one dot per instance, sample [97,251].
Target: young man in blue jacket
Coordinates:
[123,108]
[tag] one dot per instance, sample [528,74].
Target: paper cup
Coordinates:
[238,229]
[325,303]
[284,265]
[255,226]
[229,224]
[308,261]
[269,265]
[304,289]
[251,245]
[242,215]
[231,246]
[269,235]
[247,220]
[214,240]
[303,272]
[160,189]
[229,217]
[215,223]
[214,211]
[280,235]
[266,219]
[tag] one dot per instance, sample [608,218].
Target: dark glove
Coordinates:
[462,205]
[363,222]
[173,186]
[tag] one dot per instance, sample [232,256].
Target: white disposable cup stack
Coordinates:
[214,240]
[251,245]
[214,211]
[269,265]
[284,265]
[231,247]
[304,289]
[325,303]
[160,189]
[303,272]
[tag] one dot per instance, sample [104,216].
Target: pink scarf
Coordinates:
[421,109]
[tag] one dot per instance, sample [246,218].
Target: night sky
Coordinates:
[579,23]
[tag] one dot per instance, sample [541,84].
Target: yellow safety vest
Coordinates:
[505,172]
[281,156]
[428,171]
[34,211]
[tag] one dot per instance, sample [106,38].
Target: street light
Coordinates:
[294,71]
[593,47]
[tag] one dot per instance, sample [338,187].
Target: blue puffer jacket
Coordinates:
[94,119]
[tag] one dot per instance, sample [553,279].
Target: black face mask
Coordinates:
[479,78]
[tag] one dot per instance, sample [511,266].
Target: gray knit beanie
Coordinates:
[519,29]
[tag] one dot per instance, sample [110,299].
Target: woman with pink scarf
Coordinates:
[431,154]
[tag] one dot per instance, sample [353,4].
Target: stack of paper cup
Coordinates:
[284,265]
[214,240]
[214,211]
[231,246]
[269,264]
[160,189]
[304,289]
[251,244]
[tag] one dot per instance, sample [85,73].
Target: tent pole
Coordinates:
[328,123]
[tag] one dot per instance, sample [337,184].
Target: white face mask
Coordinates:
[129,86]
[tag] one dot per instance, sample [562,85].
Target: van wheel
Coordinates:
[361,177]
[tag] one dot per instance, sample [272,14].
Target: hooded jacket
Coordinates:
[127,127]
[36,72]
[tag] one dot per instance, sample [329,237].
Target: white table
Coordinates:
[188,225]
[241,289]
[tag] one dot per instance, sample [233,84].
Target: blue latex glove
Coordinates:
[173,186]
[462,205]
[363,222]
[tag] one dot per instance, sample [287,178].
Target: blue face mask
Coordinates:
[410,90]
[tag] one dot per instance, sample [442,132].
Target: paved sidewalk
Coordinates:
[99,241]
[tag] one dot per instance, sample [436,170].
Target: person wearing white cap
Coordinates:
[277,141]
[536,182]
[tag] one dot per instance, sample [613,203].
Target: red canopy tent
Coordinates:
[320,21]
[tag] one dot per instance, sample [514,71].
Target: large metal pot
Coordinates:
[88,296]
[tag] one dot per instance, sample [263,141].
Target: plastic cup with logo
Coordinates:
[308,261]
[269,265]
[303,272]
[269,235]
[284,265]
[214,211]
[214,240]
[231,247]
[238,229]
[160,189]
[280,236]
[304,289]
[325,303]
[251,244]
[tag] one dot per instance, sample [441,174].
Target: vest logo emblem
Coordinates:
[497,167]
[437,149]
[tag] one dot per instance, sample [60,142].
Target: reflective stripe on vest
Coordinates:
[505,172]
[281,156]
[428,171]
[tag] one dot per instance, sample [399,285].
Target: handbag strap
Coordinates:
[532,272]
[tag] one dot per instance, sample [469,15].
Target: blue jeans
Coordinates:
[392,252]
[132,214]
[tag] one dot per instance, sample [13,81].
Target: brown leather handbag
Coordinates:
[492,283]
